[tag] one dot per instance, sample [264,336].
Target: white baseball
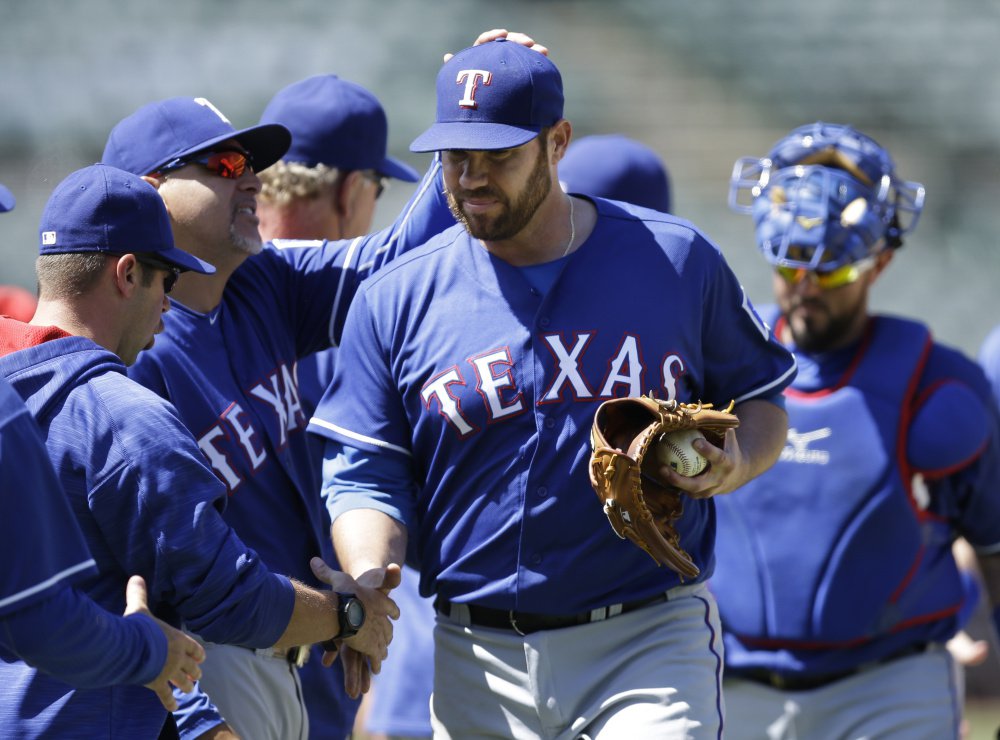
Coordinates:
[675,450]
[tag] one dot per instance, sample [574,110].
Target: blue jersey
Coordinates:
[487,387]
[232,374]
[841,553]
[44,554]
[147,504]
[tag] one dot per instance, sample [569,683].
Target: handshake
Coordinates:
[352,620]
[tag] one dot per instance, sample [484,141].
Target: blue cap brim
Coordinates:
[398,170]
[7,200]
[184,261]
[266,143]
[473,136]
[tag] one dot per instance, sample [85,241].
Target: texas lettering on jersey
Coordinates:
[491,374]
[276,399]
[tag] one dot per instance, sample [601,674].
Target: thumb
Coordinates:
[135,595]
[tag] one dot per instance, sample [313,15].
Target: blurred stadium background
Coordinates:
[701,82]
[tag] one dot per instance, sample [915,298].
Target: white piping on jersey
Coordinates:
[45,584]
[428,181]
[340,288]
[359,437]
[764,389]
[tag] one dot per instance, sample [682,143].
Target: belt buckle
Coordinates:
[513,623]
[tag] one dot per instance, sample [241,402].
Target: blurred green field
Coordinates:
[984,719]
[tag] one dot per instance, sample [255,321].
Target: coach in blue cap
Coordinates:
[458,426]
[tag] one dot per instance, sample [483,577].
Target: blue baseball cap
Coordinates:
[616,167]
[7,200]
[175,128]
[497,95]
[336,123]
[105,209]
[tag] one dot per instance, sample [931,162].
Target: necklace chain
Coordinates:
[572,228]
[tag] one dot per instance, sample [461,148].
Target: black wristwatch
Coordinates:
[350,614]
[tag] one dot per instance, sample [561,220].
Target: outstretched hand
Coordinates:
[184,654]
[503,33]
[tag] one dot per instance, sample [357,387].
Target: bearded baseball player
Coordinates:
[835,575]
[459,419]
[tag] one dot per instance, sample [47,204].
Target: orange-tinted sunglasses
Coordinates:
[228,164]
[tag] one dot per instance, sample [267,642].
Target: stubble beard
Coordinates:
[514,216]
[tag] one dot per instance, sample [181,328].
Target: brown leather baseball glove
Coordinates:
[623,470]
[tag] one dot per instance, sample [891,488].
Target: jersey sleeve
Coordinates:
[195,713]
[362,408]
[743,358]
[159,511]
[71,638]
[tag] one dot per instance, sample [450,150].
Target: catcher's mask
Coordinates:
[840,148]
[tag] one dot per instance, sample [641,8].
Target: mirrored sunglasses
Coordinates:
[827,279]
[228,164]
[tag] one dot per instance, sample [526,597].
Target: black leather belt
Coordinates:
[524,623]
[808,682]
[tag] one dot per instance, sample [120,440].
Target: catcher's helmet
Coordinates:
[838,149]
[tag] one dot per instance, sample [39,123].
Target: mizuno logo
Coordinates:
[797,447]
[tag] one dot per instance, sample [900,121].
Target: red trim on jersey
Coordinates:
[16,335]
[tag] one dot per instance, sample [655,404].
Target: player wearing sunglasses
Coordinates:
[228,361]
[835,576]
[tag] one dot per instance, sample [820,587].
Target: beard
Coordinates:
[821,330]
[516,214]
[250,245]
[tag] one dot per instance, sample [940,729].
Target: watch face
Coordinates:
[355,613]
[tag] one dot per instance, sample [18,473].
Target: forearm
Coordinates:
[314,617]
[365,539]
[761,435]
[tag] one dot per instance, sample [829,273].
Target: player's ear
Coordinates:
[559,138]
[153,180]
[126,274]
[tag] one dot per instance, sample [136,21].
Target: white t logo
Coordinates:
[216,111]
[471,78]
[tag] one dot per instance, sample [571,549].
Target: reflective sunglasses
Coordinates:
[228,164]
[827,279]
[379,180]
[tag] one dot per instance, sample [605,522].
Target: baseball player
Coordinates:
[326,187]
[458,423]
[227,360]
[136,480]
[46,556]
[616,167]
[835,577]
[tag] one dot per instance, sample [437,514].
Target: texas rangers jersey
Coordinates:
[147,504]
[841,553]
[231,374]
[487,387]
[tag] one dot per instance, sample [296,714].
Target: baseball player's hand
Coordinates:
[219,732]
[503,33]
[183,654]
[362,654]
[967,651]
[726,471]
